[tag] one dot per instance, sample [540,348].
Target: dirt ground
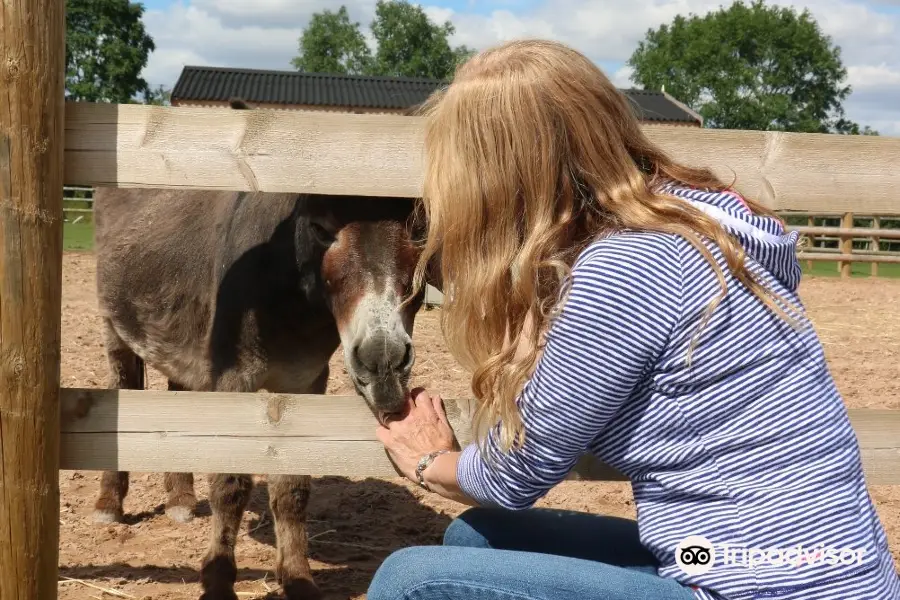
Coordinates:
[354,524]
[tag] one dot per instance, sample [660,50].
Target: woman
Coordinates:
[610,300]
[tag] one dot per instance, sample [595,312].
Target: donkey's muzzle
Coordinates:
[380,355]
[380,365]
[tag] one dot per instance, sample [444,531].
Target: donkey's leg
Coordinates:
[288,499]
[126,371]
[180,497]
[228,497]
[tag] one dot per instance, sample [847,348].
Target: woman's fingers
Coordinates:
[431,405]
[384,435]
[438,404]
[424,402]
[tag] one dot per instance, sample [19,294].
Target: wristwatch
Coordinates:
[423,464]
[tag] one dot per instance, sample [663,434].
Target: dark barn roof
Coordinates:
[219,84]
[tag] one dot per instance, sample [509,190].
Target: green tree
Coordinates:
[160,96]
[107,47]
[411,45]
[851,128]
[749,67]
[408,44]
[333,44]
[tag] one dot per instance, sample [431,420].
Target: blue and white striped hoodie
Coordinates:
[749,446]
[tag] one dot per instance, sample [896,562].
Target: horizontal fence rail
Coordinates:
[858,232]
[848,242]
[848,258]
[146,430]
[78,203]
[381,155]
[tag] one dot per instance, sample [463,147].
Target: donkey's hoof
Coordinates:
[107,517]
[301,589]
[180,514]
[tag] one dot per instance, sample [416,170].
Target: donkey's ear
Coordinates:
[238,104]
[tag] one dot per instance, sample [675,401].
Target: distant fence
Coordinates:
[78,203]
[847,238]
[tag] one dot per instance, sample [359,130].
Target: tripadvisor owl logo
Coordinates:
[695,555]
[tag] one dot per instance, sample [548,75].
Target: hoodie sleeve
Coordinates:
[623,304]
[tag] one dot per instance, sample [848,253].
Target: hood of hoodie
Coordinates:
[763,238]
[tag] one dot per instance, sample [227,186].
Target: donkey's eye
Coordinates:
[323,235]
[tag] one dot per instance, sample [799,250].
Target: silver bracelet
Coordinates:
[424,462]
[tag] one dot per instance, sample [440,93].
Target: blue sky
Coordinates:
[264,33]
[157,4]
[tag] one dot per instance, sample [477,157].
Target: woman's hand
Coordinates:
[423,429]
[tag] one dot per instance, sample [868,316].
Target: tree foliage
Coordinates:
[107,47]
[407,44]
[411,45]
[160,96]
[749,67]
[853,129]
[331,43]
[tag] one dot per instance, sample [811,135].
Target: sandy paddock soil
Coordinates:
[355,524]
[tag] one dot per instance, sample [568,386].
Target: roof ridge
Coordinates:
[325,75]
[290,87]
[641,91]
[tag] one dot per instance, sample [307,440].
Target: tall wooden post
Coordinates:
[32,71]
[876,243]
[846,245]
[811,222]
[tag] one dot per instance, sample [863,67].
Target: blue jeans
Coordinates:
[536,554]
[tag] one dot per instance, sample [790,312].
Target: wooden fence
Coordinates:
[848,238]
[46,143]
[78,203]
[155,431]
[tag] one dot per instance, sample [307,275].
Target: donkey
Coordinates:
[227,291]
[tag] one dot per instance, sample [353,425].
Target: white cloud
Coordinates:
[264,34]
[622,77]
[280,13]
[872,76]
[876,96]
[191,35]
[439,14]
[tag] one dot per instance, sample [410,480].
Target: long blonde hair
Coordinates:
[530,154]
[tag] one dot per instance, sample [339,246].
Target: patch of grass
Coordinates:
[830,269]
[78,237]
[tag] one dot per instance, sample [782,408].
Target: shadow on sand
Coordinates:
[353,526]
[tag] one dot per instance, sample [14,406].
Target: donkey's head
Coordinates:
[360,257]
[356,255]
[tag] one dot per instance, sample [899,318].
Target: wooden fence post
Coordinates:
[846,245]
[876,244]
[811,222]
[32,64]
